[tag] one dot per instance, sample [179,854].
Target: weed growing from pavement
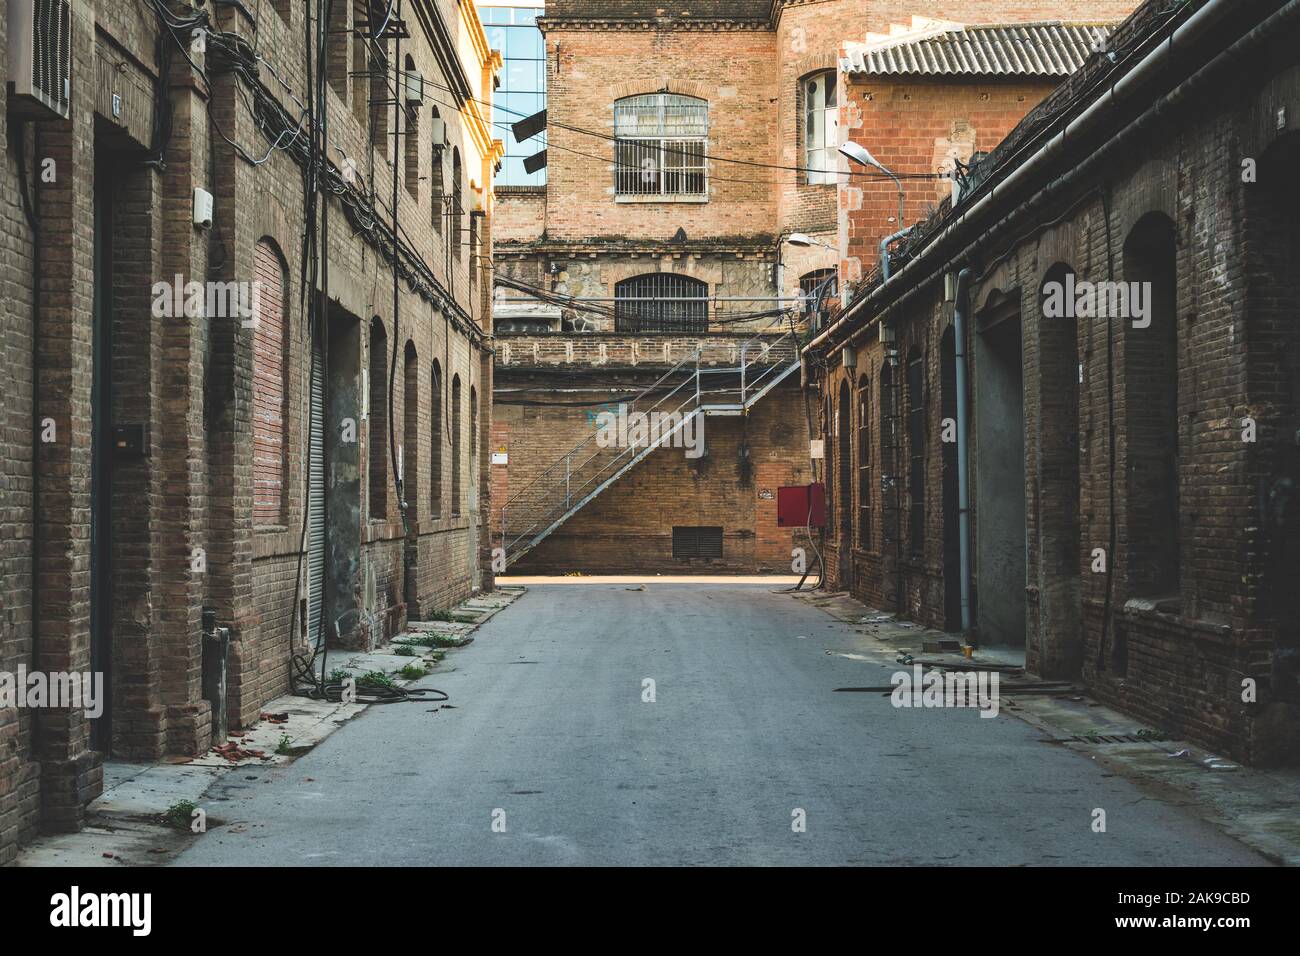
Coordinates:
[412,671]
[179,814]
[285,744]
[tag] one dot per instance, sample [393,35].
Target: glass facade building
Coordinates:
[512,29]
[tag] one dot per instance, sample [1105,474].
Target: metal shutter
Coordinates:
[697,542]
[316,500]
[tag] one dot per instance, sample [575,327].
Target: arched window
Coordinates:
[661,302]
[660,144]
[864,462]
[844,461]
[437,204]
[916,450]
[379,99]
[412,143]
[887,433]
[457,203]
[818,289]
[821,123]
[473,435]
[437,437]
[411,432]
[336,48]
[270,395]
[455,446]
[1151,407]
[377,421]
[361,60]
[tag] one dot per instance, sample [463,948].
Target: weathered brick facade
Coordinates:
[1159,566]
[133,548]
[585,233]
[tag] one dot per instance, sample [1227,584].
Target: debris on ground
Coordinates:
[234,753]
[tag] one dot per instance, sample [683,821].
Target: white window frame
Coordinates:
[821,127]
[667,156]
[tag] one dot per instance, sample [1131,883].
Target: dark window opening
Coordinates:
[1151,402]
[661,302]
[916,451]
[864,462]
[377,422]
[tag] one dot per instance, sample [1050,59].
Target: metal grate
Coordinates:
[52,50]
[696,542]
[818,289]
[661,302]
[660,142]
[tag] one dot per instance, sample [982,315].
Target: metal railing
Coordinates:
[685,392]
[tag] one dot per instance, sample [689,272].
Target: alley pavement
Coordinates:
[553,753]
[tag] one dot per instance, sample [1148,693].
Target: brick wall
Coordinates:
[1170,636]
[183,535]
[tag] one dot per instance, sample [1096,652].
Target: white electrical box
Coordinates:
[438,131]
[817,449]
[202,208]
[414,87]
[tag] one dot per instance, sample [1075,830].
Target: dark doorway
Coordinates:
[948,449]
[1151,411]
[101,457]
[844,484]
[1059,634]
[1000,475]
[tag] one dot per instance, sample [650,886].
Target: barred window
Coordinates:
[661,302]
[659,147]
[818,289]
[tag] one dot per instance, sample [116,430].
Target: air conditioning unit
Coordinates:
[40,57]
[438,132]
[414,83]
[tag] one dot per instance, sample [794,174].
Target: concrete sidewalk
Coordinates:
[775,580]
[127,824]
[1261,808]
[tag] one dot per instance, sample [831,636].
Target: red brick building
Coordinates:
[1110,489]
[161,449]
[693,196]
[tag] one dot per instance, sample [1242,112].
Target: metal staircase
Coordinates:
[681,395]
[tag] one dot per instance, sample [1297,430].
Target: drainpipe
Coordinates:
[884,250]
[963,442]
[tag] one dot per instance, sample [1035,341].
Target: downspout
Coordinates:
[884,250]
[963,443]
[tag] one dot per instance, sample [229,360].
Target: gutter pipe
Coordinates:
[1197,25]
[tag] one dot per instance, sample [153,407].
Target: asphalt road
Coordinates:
[551,737]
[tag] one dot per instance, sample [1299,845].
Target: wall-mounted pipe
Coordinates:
[884,250]
[1196,26]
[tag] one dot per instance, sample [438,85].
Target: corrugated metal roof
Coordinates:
[1022,49]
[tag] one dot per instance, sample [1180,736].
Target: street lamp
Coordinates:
[859,154]
[803,241]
